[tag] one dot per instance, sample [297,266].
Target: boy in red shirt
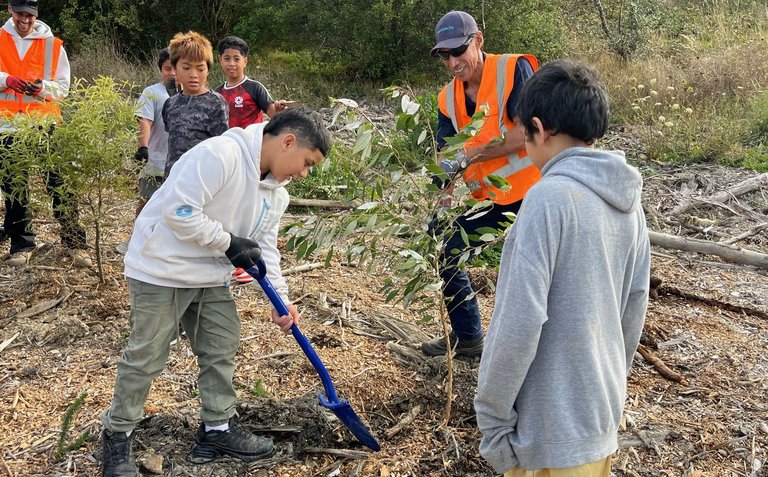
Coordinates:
[248,99]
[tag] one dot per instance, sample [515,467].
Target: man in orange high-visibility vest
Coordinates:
[489,83]
[34,74]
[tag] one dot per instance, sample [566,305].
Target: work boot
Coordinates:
[470,348]
[236,442]
[118,455]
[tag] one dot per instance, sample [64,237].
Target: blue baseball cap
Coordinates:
[453,30]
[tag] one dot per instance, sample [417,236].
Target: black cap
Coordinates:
[24,6]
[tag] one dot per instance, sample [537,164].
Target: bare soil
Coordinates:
[708,323]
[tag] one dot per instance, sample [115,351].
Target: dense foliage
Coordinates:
[372,39]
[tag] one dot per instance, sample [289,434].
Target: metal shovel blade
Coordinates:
[342,409]
[346,414]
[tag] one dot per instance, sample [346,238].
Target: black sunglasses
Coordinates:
[456,52]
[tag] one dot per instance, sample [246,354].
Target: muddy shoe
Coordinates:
[80,258]
[234,442]
[18,259]
[122,248]
[118,455]
[470,348]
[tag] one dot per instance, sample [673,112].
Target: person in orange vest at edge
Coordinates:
[482,82]
[34,74]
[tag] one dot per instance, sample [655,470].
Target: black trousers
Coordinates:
[14,187]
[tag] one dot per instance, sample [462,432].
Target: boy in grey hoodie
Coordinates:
[572,291]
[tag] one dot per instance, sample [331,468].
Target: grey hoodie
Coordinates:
[570,306]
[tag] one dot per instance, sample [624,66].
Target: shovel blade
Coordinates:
[347,416]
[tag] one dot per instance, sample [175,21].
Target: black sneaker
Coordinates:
[236,442]
[469,348]
[118,455]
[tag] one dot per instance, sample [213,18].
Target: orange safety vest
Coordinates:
[40,62]
[495,86]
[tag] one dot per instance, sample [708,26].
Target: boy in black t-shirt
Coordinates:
[248,99]
[196,113]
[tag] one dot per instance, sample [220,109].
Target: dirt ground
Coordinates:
[708,324]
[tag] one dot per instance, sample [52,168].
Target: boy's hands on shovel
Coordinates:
[243,252]
[285,322]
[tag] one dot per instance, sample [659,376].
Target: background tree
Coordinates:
[88,148]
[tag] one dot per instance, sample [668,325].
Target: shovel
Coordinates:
[342,409]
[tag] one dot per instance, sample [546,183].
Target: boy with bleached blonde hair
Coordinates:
[196,113]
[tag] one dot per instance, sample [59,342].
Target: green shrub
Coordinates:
[391,39]
[329,180]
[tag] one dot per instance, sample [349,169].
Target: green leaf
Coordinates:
[499,182]
[464,236]
[350,228]
[368,206]
[350,103]
[422,137]
[363,142]
[487,230]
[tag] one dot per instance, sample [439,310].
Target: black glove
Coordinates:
[170,86]
[452,169]
[243,252]
[33,89]
[142,155]
[438,221]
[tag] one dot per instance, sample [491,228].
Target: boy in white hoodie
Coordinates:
[572,291]
[34,75]
[220,206]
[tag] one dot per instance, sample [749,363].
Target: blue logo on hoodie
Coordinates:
[184,211]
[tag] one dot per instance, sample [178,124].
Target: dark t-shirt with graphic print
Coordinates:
[190,120]
[247,102]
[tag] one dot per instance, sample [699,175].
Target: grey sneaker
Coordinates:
[235,442]
[470,348]
[80,258]
[118,455]
[18,259]
[122,248]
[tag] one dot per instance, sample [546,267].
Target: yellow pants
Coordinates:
[600,468]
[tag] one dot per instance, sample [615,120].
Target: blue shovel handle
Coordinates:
[259,272]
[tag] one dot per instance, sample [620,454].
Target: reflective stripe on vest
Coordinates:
[515,163]
[516,168]
[23,103]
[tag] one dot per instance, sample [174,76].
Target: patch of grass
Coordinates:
[330,180]
[258,389]
[490,257]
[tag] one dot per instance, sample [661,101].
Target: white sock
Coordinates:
[128,434]
[222,427]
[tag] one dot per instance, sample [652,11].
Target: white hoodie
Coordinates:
[53,90]
[215,189]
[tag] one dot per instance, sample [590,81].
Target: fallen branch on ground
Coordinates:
[712,302]
[660,366]
[45,305]
[403,423]
[303,268]
[726,252]
[741,188]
